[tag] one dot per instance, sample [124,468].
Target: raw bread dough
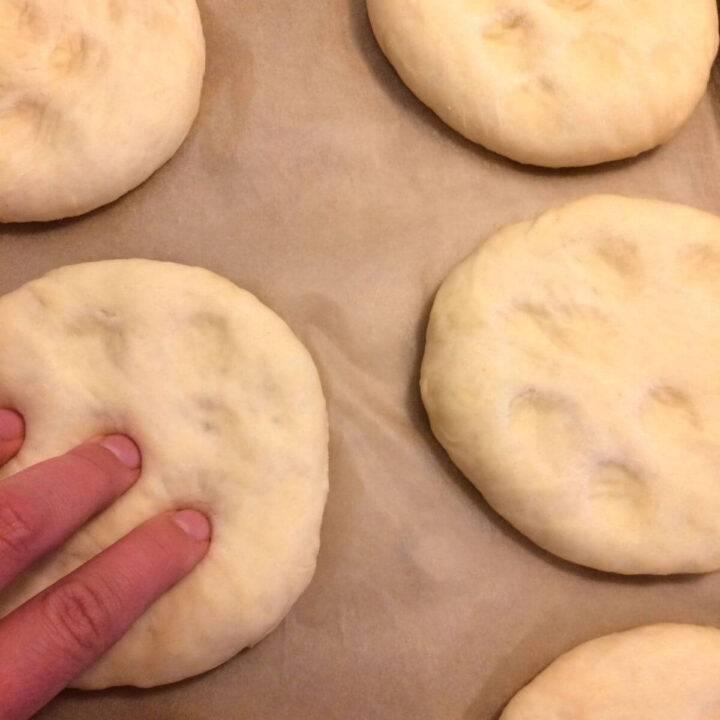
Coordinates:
[554,82]
[227,408]
[663,672]
[572,372]
[95,95]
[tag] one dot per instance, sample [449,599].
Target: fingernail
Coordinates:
[193,523]
[124,449]
[12,426]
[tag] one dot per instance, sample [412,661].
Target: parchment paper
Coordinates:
[316,180]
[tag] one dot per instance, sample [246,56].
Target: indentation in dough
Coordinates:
[214,414]
[39,298]
[571,327]
[669,410]
[542,320]
[537,96]
[70,53]
[77,53]
[506,26]
[105,314]
[34,119]
[621,492]
[28,111]
[549,424]
[105,326]
[621,257]
[211,340]
[507,40]
[700,264]
[21,14]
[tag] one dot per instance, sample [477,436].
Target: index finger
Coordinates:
[42,506]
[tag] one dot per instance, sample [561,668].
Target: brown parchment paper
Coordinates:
[316,180]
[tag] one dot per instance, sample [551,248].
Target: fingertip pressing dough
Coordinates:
[556,83]
[663,672]
[572,372]
[94,97]
[227,408]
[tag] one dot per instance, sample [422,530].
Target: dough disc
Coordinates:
[663,672]
[95,95]
[557,83]
[572,372]
[227,408]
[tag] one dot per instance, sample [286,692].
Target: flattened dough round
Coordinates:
[227,408]
[663,672]
[557,83]
[572,372]
[95,95]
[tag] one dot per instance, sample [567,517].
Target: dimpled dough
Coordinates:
[572,372]
[227,408]
[663,672]
[554,82]
[95,95]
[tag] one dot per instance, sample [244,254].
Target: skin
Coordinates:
[56,635]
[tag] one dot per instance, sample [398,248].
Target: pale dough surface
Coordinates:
[572,372]
[226,406]
[95,95]
[556,83]
[663,672]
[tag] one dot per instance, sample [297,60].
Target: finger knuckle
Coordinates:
[17,528]
[80,618]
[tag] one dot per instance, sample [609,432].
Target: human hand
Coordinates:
[56,635]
